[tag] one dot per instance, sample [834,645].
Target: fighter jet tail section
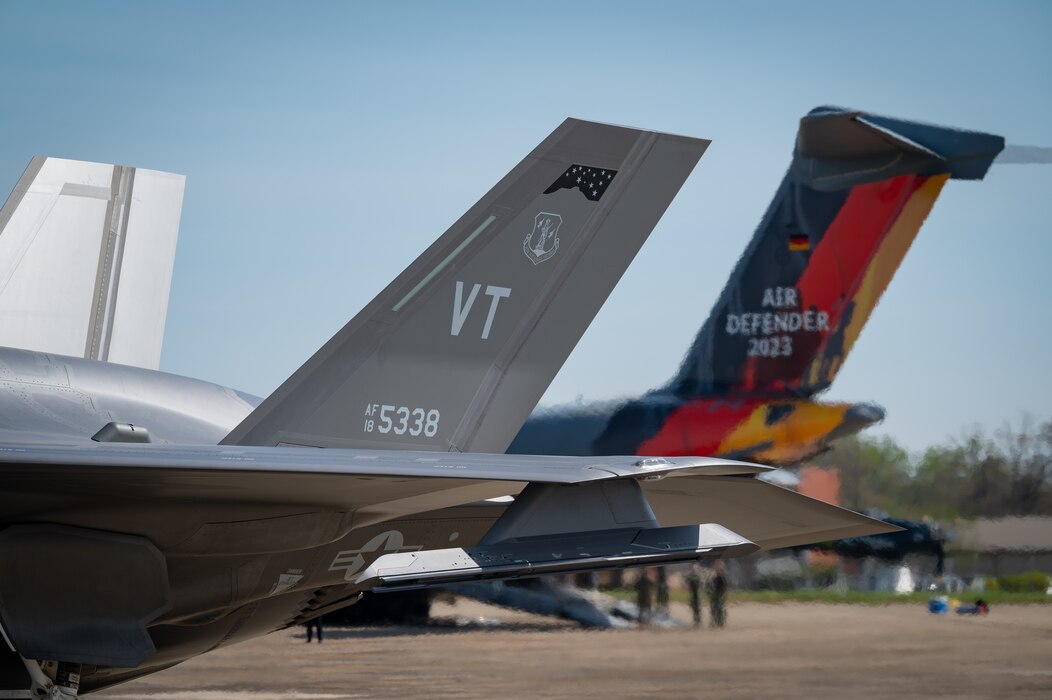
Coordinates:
[86,256]
[455,353]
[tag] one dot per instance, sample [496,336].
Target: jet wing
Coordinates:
[175,496]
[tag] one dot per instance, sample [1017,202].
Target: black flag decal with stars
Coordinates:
[592,181]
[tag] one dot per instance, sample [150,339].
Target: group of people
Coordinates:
[652,593]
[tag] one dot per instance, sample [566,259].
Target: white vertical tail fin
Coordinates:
[86,256]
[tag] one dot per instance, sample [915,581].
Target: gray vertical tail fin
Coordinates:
[455,353]
[86,255]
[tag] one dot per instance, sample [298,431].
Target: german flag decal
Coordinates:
[799,241]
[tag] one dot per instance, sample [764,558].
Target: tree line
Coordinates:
[1006,472]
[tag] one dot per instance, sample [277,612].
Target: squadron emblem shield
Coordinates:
[543,241]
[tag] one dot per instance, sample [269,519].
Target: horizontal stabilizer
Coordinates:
[838,147]
[227,483]
[241,484]
[1024,155]
[167,461]
[553,554]
[766,514]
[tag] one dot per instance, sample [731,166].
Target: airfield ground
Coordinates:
[788,650]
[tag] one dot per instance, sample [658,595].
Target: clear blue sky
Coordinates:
[326,144]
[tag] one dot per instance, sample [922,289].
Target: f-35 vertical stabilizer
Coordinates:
[454,354]
[86,255]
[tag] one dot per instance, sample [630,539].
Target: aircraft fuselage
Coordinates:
[46,397]
[770,430]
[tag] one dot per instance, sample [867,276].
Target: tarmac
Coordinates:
[787,650]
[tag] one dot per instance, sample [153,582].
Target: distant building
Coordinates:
[823,484]
[820,483]
[1001,546]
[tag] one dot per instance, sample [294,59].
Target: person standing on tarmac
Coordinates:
[694,584]
[662,595]
[718,595]
[644,596]
[312,625]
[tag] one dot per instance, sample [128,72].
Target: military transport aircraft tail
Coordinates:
[856,193]
[454,354]
[86,255]
[858,189]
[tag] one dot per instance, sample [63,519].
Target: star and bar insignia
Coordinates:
[591,181]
